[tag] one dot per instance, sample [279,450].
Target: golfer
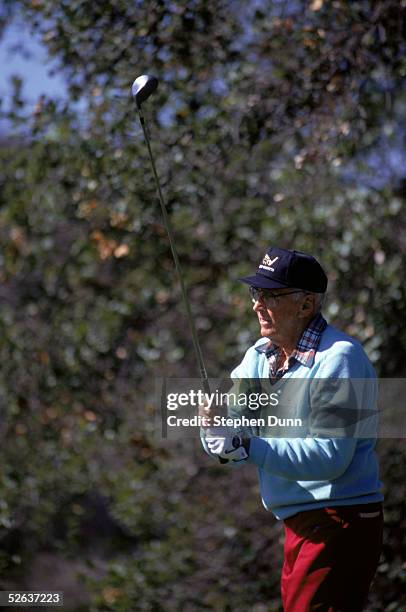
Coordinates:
[325,487]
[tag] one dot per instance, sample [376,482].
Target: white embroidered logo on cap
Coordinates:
[267,263]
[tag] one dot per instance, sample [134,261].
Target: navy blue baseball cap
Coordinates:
[282,268]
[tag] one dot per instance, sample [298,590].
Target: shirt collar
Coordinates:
[307,345]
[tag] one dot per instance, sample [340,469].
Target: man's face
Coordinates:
[279,314]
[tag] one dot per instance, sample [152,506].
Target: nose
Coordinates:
[256,306]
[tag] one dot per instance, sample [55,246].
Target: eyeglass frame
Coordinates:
[257,295]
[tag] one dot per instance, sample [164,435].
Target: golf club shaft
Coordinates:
[196,344]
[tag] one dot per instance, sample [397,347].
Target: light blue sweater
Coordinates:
[304,473]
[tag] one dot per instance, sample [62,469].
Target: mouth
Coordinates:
[264,321]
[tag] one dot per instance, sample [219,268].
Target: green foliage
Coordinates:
[264,121]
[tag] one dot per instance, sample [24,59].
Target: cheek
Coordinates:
[277,316]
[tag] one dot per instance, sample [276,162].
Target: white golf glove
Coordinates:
[224,443]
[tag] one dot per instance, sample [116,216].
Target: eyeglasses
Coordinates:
[268,297]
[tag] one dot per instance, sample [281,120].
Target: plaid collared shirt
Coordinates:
[304,352]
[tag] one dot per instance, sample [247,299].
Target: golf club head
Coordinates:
[143,87]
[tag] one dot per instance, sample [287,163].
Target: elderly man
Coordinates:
[324,487]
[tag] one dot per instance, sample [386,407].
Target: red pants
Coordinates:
[331,556]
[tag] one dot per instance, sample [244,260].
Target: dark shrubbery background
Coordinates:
[275,122]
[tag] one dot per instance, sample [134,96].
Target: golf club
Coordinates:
[142,88]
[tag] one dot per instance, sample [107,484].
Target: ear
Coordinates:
[307,307]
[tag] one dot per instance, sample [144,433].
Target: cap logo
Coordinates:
[267,263]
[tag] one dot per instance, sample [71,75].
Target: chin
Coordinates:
[266,331]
